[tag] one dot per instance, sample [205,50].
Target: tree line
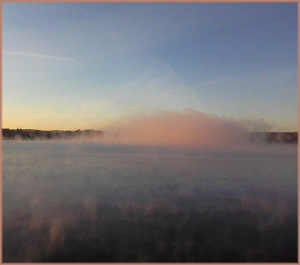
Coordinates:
[274,137]
[32,134]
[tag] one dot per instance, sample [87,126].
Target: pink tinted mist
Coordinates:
[189,128]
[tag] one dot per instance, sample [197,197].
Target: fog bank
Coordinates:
[189,128]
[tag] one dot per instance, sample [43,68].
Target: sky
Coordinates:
[85,65]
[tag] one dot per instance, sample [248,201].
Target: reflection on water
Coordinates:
[91,202]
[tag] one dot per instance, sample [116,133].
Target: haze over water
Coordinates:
[176,88]
[92,201]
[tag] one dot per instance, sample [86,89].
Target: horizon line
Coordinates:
[103,130]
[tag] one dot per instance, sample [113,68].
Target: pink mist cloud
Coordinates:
[189,128]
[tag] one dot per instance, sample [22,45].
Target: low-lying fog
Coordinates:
[89,201]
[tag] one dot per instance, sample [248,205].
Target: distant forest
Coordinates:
[32,134]
[274,137]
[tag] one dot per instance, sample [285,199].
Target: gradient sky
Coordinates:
[83,65]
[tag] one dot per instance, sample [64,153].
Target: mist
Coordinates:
[189,128]
[93,201]
[166,187]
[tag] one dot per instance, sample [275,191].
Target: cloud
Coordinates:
[37,56]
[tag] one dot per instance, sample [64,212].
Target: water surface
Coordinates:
[95,202]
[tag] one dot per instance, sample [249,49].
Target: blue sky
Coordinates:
[83,65]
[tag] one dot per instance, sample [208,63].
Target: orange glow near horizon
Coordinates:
[160,127]
[14,119]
